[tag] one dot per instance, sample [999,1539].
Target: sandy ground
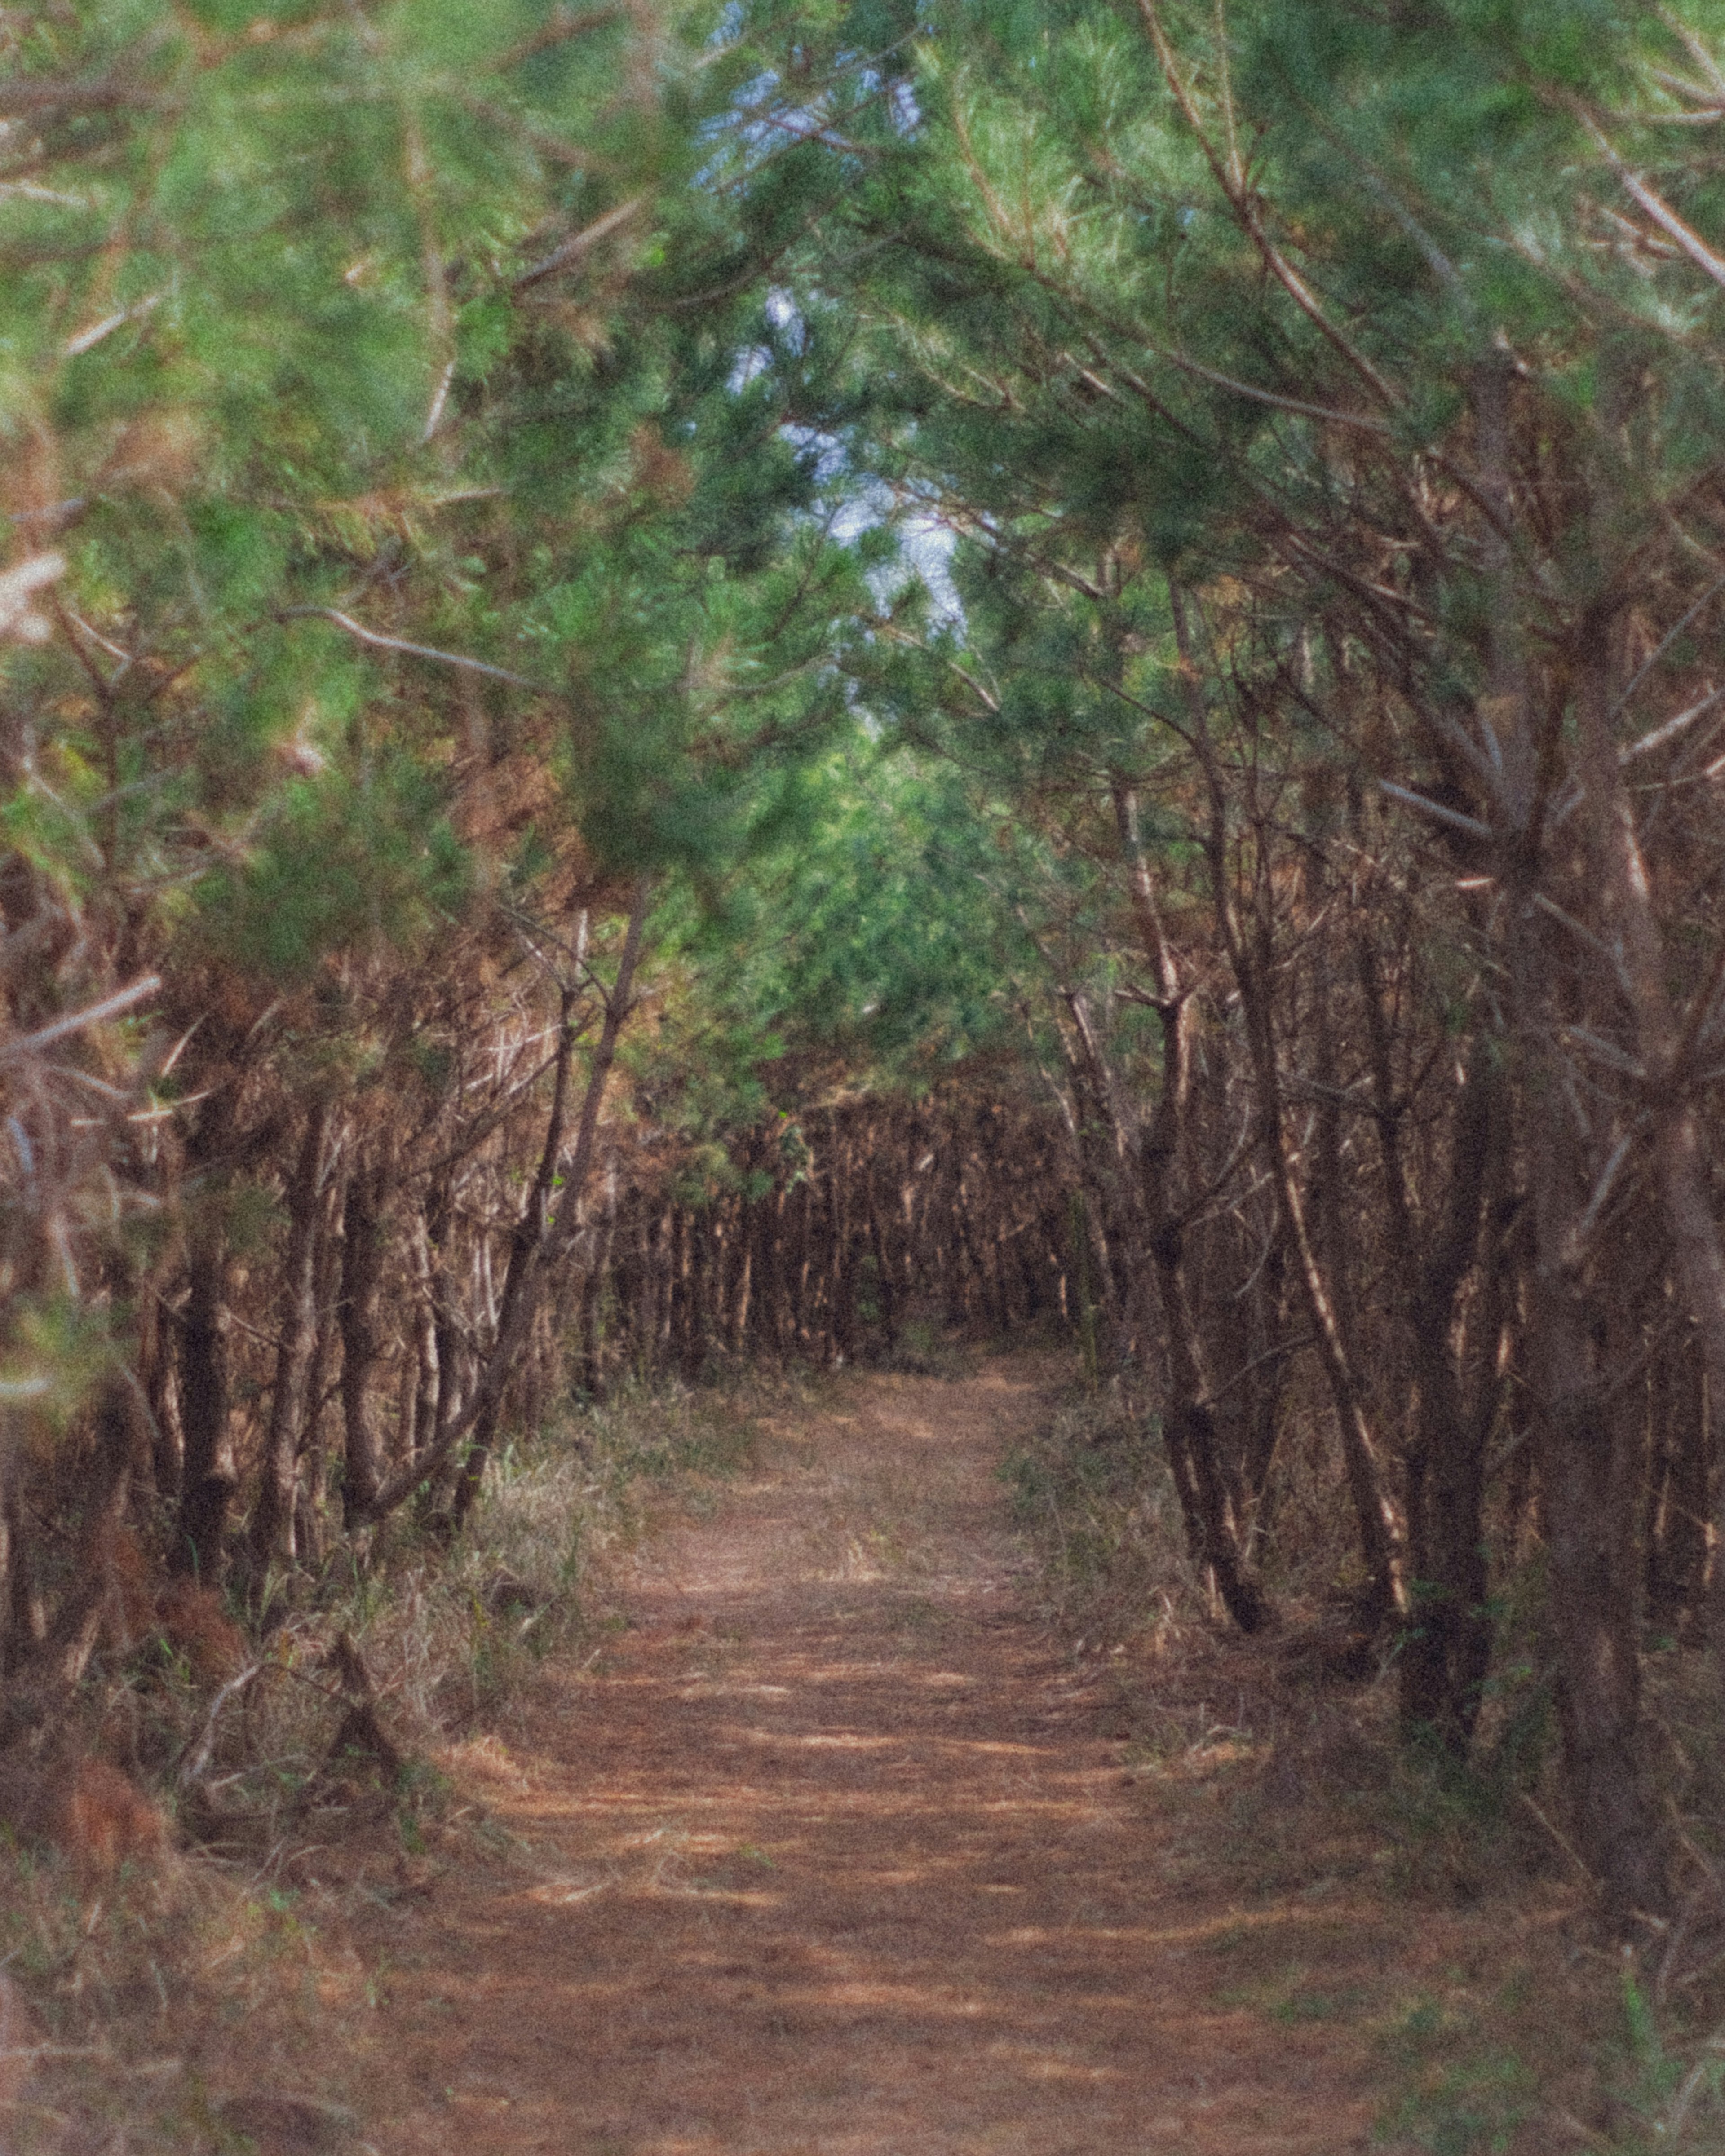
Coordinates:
[837,1854]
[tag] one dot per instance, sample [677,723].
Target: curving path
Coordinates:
[840,1861]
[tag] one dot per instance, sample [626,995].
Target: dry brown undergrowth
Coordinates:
[1519,2029]
[204,1997]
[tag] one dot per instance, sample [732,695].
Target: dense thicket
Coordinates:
[513,878]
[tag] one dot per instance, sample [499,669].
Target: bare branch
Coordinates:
[1665,644]
[197,1753]
[94,1014]
[582,243]
[1582,1231]
[1662,214]
[1470,824]
[1661,735]
[1240,202]
[380,643]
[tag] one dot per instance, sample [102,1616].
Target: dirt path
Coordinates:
[840,1859]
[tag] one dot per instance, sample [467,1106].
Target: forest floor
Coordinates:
[837,1847]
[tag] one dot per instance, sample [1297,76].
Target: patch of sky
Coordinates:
[749,121]
[928,542]
[756,360]
[900,95]
[832,467]
[749,99]
[786,317]
[925,548]
[752,120]
[855,502]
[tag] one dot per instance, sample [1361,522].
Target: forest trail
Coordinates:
[839,1857]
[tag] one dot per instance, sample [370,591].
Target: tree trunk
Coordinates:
[157,1374]
[592,1292]
[1666,1049]
[1446,1646]
[362,1255]
[526,1244]
[1189,1424]
[515,1323]
[210,1474]
[273,1521]
[1586,1467]
[422,1429]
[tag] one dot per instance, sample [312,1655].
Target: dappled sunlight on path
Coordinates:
[840,1859]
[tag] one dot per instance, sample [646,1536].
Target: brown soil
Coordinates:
[836,1851]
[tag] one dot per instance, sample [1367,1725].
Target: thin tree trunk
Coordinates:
[46,1660]
[156,1374]
[423,1427]
[312,1481]
[1447,1645]
[439,1219]
[592,1292]
[1587,1497]
[362,1255]
[273,1521]
[210,1475]
[1666,1049]
[526,1244]
[26,1610]
[1189,1424]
